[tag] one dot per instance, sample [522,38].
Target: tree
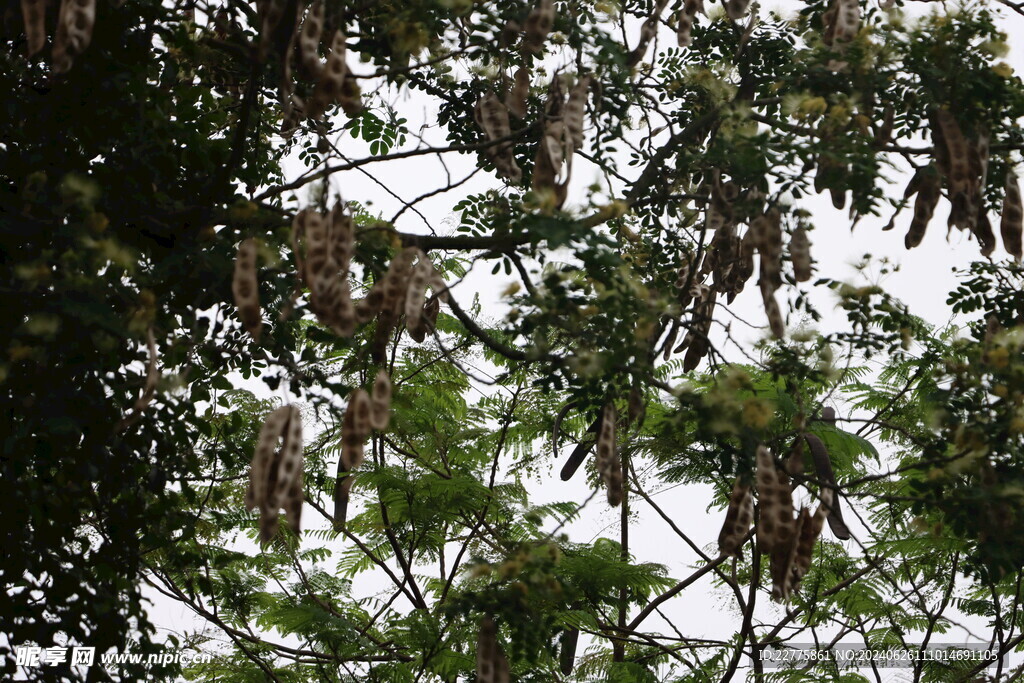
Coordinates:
[204,326]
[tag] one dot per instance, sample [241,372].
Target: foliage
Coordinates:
[135,396]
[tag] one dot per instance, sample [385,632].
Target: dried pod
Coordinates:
[430,311]
[270,13]
[767,231]
[244,288]
[841,21]
[608,465]
[573,113]
[33,13]
[517,97]
[415,298]
[538,25]
[309,40]
[335,84]
[947,134]
[342,490]
[1013,217]
[74,32]
[825,475]
[647,32]
[491,664]
[684,22]
[809,531]
[783,557]
[380,401]
[275,475]
[772,311]
[492,117]
[736,9]
[738,519]
[775,524]
[355,428]
[800,252]
[928,192]
[567,650]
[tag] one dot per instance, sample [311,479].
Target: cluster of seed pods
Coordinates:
[960,165]
[788,541]
[561,139]
[275,476]
[365,412]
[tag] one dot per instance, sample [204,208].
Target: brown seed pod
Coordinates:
[492,117]
[647,32]
[380,401]
[808,531]
[573,113]
[775,524]
[767,231]
[841,21]
[684,22]
[275,476]
[33,13]
[491,664]
[771,310]
[335,84]
[74,32]
[518,95]
[309,41]
[825,475]
[244,288]
[738,519]
[342,490]
[415,298]
[736,9]
[783,558]
[567,650]
[608,465]
[1013,217]
[270,13]
[538,25]
[354,429]
[800,252]
[928,192]
[946,132]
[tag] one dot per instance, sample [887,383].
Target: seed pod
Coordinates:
[771,310]
[825,474]
[775,522]
[800,252]
[738,519]
[684,22]
[947,134]
[928,194]
[517,97]
[342,489]
[647,32]
[1013,217]
[809,532]
[309,41]
[33,13]
[573,113]
[567,650]
[491,664]
[492,117]
[244,287]
[270,13]
[736,9]
[355,427]
[767,231]
[289,460]
[608,465]
[335,84]
[783,558]
[842,22]
[430,311]
[266,444]
[415,297]
[538,25]
[74,32]
[380,401]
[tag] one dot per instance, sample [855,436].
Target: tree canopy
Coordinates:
[332,432]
